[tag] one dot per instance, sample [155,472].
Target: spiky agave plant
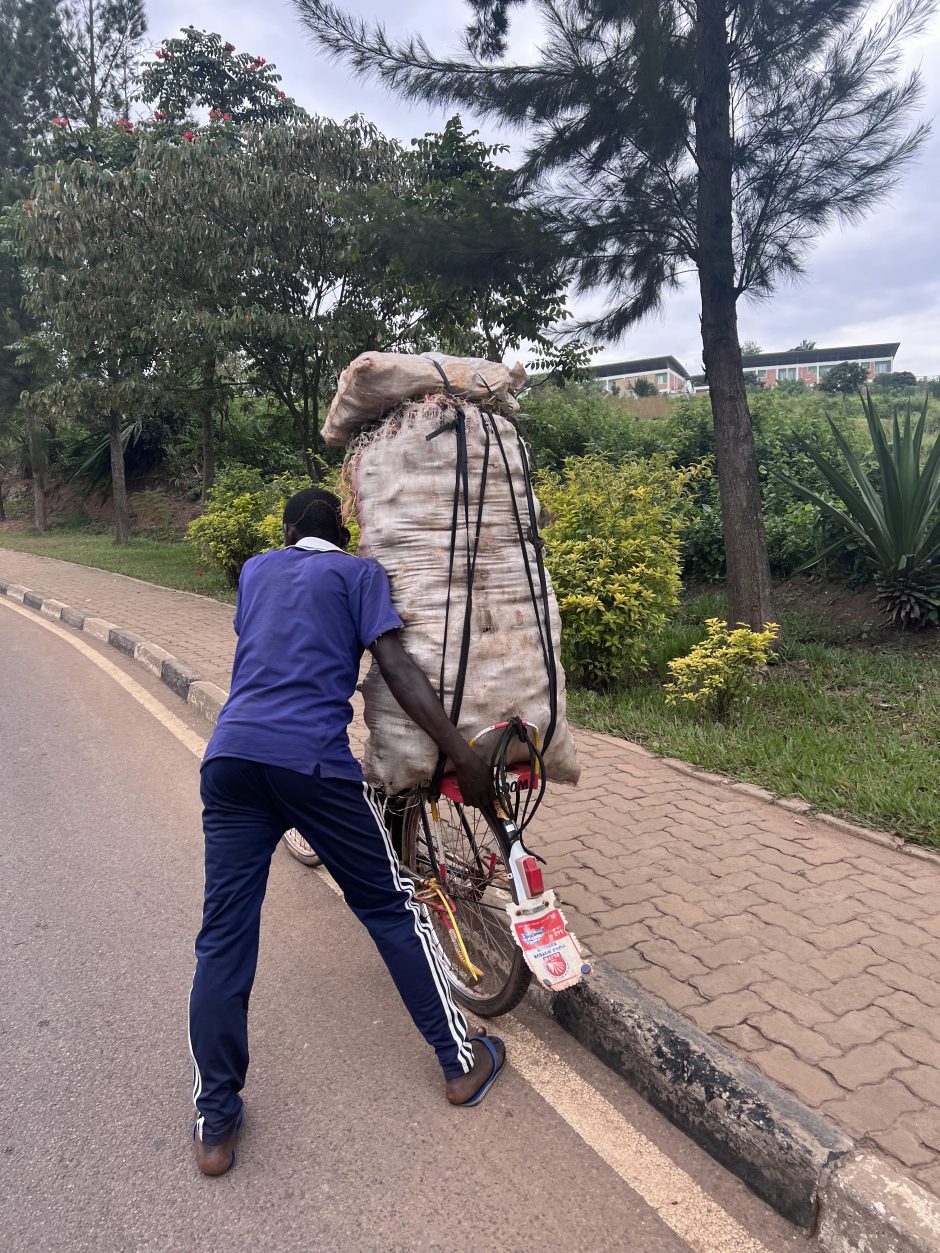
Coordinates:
[896,520]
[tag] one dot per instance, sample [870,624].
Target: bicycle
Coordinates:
[478,884]
[473,876]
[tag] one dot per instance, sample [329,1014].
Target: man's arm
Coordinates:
[409,685]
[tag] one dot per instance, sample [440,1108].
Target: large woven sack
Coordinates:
[378,381]
[403,489]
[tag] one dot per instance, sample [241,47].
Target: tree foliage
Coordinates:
[661,138]
[895,380]
[846,377]
[820,113]
[291,248]
[199,70]
[36,83]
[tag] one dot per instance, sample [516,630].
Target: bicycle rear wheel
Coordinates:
[298,847]
[467,858]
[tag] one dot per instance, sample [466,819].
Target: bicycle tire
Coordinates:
[491,946]
[298,848]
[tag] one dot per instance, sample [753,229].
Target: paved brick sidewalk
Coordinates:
[811,952]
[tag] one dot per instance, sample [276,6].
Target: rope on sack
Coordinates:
[521,811]
[541,602]
[461,493]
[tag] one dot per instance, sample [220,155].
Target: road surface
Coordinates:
[349,1144]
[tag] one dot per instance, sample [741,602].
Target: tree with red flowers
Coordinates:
[198,71]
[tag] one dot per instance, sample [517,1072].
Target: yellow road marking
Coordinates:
[677,1199]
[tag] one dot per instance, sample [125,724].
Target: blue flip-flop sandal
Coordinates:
[497,1068]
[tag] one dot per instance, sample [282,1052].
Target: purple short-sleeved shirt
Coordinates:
[303,621]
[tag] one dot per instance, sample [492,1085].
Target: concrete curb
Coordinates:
[206,698]
[865,1205]
[799,1163]
[766,1137]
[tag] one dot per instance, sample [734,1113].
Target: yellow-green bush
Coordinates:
[613,547]
[242,517]
[721,669]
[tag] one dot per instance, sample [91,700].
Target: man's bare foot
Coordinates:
[462,1090]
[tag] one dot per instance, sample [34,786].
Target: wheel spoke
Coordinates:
[478,887]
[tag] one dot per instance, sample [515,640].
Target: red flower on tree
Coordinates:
[229,47]
[189,136]
[282,95]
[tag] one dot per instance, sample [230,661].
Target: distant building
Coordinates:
[813,364]
[666,374]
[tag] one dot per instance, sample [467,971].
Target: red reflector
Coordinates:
[533,876]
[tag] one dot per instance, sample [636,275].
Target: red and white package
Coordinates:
[551,952]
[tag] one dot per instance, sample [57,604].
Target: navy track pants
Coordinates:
[247,808]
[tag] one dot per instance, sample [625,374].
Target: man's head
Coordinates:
[317,513]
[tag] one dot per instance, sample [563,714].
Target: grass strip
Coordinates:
[849,724]
[168,563]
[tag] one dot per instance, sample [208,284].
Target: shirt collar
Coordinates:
[313,544]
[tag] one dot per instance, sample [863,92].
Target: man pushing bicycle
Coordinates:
[280,758]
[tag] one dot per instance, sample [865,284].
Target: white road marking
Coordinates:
[677,1199]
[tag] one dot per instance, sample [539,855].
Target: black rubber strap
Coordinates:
[540,600]
[461,496]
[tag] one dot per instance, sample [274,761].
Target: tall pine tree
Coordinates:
[720,136]
[106,39]
[36,83]
[37,79]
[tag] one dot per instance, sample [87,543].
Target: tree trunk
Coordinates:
[37,465]
[748,570]
[310,435]
[122,513]
[208,430]
[3,512]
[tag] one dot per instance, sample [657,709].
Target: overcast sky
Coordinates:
[873,283]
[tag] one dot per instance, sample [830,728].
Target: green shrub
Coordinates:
[581,420]
[892,516]
[613,547]
[242,517]
[258,433]
[720,670]
[703,546]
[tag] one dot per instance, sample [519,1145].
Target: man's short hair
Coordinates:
[315,512]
